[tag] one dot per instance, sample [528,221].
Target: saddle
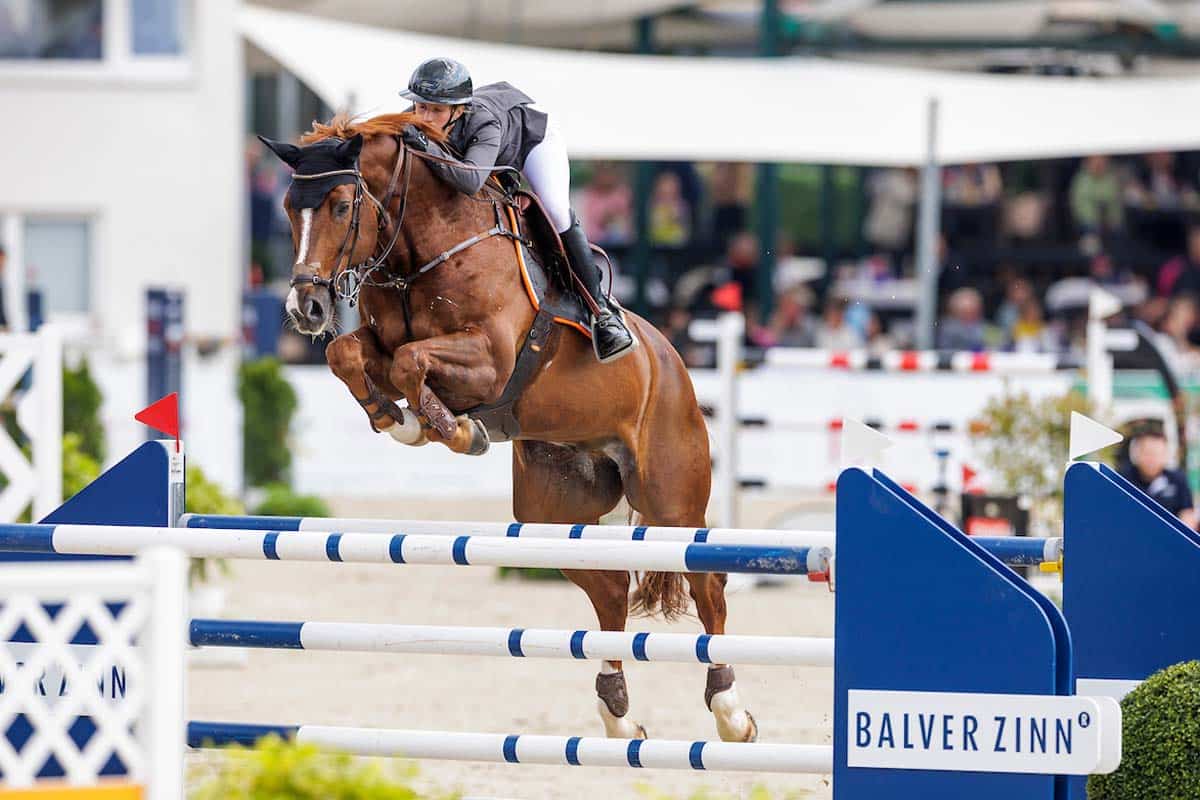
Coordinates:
[548,283]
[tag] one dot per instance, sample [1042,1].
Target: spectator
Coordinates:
[889,222]
[1147,469]
[835,332]
[1029,333]
[791,325]
[878,340]
[1182,273]
[739,276]
[730,200]
[1016,293]
[1177,330]
[1096,202]
[1158,186]
[606,207]
[670,217]
[963,328]
[972,184]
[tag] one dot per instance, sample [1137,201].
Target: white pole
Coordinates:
[164,728]
[47,438]
[730,330]
[929,220]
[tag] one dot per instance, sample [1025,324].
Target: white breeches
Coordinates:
[549,174]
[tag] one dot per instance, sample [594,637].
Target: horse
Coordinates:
[448,321]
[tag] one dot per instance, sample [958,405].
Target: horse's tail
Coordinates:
[658,592]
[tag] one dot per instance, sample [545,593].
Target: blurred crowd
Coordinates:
[1020,248]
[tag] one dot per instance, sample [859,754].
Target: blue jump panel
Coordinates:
[1131,578]
[961,622]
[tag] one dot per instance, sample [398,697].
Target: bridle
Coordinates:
[348,279]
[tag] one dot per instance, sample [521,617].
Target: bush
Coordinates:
[79,468]
[268,404]
[206,497]
[1160,732]
[278,770]
[281,501]
[81,410]
[1023,442]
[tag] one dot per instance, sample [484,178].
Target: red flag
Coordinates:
[162,415]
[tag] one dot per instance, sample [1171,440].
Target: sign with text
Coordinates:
[961,732]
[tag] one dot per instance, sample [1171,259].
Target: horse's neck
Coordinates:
[437,217]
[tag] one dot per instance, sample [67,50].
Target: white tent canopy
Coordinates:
[787,110]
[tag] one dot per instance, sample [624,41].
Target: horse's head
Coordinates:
[332,227]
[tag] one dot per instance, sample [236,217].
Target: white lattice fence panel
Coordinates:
[34,478]
[91,672]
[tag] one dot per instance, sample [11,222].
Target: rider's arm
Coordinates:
[481,152]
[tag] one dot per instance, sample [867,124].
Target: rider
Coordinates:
[497,125]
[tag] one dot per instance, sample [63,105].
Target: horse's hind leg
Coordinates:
[668,481]
[552,483]
[734,722]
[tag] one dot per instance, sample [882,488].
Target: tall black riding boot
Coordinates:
[611,339]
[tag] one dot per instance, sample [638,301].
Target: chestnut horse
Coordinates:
[446,339]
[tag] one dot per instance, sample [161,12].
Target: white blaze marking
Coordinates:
[305,220]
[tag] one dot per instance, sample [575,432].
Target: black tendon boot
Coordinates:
[610,338]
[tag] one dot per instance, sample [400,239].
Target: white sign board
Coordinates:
[983,732]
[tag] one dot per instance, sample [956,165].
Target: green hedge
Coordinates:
[1160,732]
[268,405]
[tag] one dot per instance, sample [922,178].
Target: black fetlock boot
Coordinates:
[611,339]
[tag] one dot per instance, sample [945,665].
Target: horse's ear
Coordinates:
[288,153]
[348,150]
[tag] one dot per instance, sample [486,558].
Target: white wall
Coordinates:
[154,153]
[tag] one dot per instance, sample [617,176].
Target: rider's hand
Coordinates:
[414,137]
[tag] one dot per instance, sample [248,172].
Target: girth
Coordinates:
[499,417]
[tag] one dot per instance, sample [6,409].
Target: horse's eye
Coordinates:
[342,208]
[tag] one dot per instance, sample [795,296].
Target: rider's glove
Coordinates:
[414,137]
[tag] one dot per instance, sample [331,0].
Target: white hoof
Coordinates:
[734,723]
[619,727]
[409,431]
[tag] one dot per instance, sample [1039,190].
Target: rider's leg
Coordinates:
[549,174]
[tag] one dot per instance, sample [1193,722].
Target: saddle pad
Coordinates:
[566,307]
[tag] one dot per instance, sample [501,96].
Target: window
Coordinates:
[51,29]
[157,27]
[121,34]
[58,257]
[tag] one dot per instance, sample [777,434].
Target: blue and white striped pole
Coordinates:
[513,642]
[579,751]
[1014,551]
[374,548]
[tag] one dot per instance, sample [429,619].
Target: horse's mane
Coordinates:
[345,126]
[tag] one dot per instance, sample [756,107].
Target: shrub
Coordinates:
[206,497]
[281,770]
[281,501]
[268,404]
[1160,732]
[79,468]
[81,410]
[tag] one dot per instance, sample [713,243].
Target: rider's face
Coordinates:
[435,114]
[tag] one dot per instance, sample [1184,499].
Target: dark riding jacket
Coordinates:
[499,129]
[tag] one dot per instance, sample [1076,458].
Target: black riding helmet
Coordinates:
[439,80]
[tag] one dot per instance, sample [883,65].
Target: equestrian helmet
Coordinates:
[439,80]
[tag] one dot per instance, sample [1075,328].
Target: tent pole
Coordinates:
[928,228]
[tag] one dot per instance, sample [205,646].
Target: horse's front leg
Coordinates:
[463,360]
[357,360]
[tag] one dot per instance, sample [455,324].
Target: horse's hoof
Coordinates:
[752,734]
[480,441]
